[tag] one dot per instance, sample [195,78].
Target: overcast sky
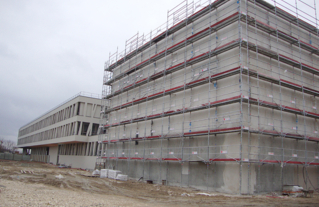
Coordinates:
[51,50]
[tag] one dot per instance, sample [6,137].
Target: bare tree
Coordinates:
[6,145]
[1,147]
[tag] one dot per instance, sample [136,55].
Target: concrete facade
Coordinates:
[65,134]
[223,97]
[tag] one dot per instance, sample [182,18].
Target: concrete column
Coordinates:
[89,131]
[94,147]
[76,128]
[80,129]
[85,108]
[87,149]
[76,108]
[94,107]
[69,129]
[64,113]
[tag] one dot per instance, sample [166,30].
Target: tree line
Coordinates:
[6,145]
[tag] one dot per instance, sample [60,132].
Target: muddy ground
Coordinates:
[36,184]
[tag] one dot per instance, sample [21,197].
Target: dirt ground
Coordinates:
[36,184]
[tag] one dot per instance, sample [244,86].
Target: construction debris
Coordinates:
[26,172]
[104,173]
[121,177]
[59,176]
[96,172]
[205,194]
[307,192]
[292,190]
[113,173]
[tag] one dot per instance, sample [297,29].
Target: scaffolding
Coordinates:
[242,73]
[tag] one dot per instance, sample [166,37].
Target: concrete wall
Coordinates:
[53,152]
[78,161]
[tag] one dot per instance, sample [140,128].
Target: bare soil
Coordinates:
[36,184]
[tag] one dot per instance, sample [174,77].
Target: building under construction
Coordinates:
[223,96]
